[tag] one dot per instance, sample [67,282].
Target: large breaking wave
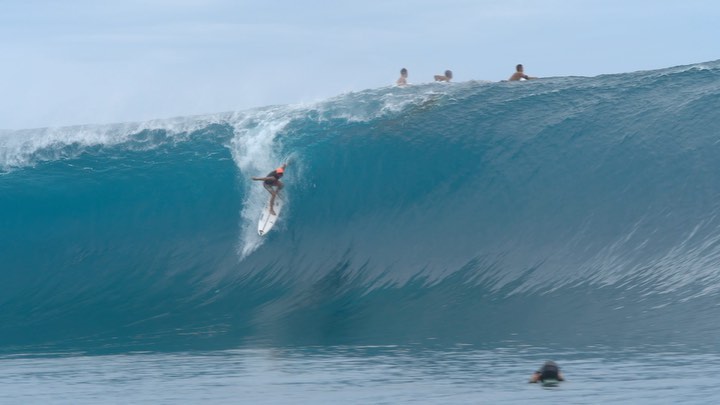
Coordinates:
[564,211]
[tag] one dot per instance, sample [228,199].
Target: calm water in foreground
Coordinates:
[366,375]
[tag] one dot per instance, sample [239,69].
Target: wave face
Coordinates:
[561,211]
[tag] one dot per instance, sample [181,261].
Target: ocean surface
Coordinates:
[438,243]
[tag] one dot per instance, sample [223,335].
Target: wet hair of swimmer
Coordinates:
[519,67]
[403,71]
[448,74]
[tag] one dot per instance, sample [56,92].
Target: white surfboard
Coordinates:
[266,220]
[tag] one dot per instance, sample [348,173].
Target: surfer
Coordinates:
[445,78]
[519,74]
[549,371]
[402,81]
[272,184]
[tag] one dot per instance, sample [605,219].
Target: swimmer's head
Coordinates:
[403,72]
[519,67]
[448,74]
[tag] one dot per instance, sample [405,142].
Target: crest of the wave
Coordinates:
[27,147]
[256,145]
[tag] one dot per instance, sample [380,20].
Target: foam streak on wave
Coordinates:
[255,152]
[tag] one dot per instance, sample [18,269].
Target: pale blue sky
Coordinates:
[81,61]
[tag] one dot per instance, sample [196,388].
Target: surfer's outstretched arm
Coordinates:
[263,178]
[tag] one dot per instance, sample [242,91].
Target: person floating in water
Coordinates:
[402,81]
[549,371]
[445,78]
[519,74]
[272,184]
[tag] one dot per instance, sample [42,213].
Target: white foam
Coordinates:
[23,148]
[372,104]
[256,153]
[254,146]
[28,147]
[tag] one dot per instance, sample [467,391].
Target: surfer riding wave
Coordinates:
[272,184]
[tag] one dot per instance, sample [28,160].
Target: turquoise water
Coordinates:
[578,218]
[363,375]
